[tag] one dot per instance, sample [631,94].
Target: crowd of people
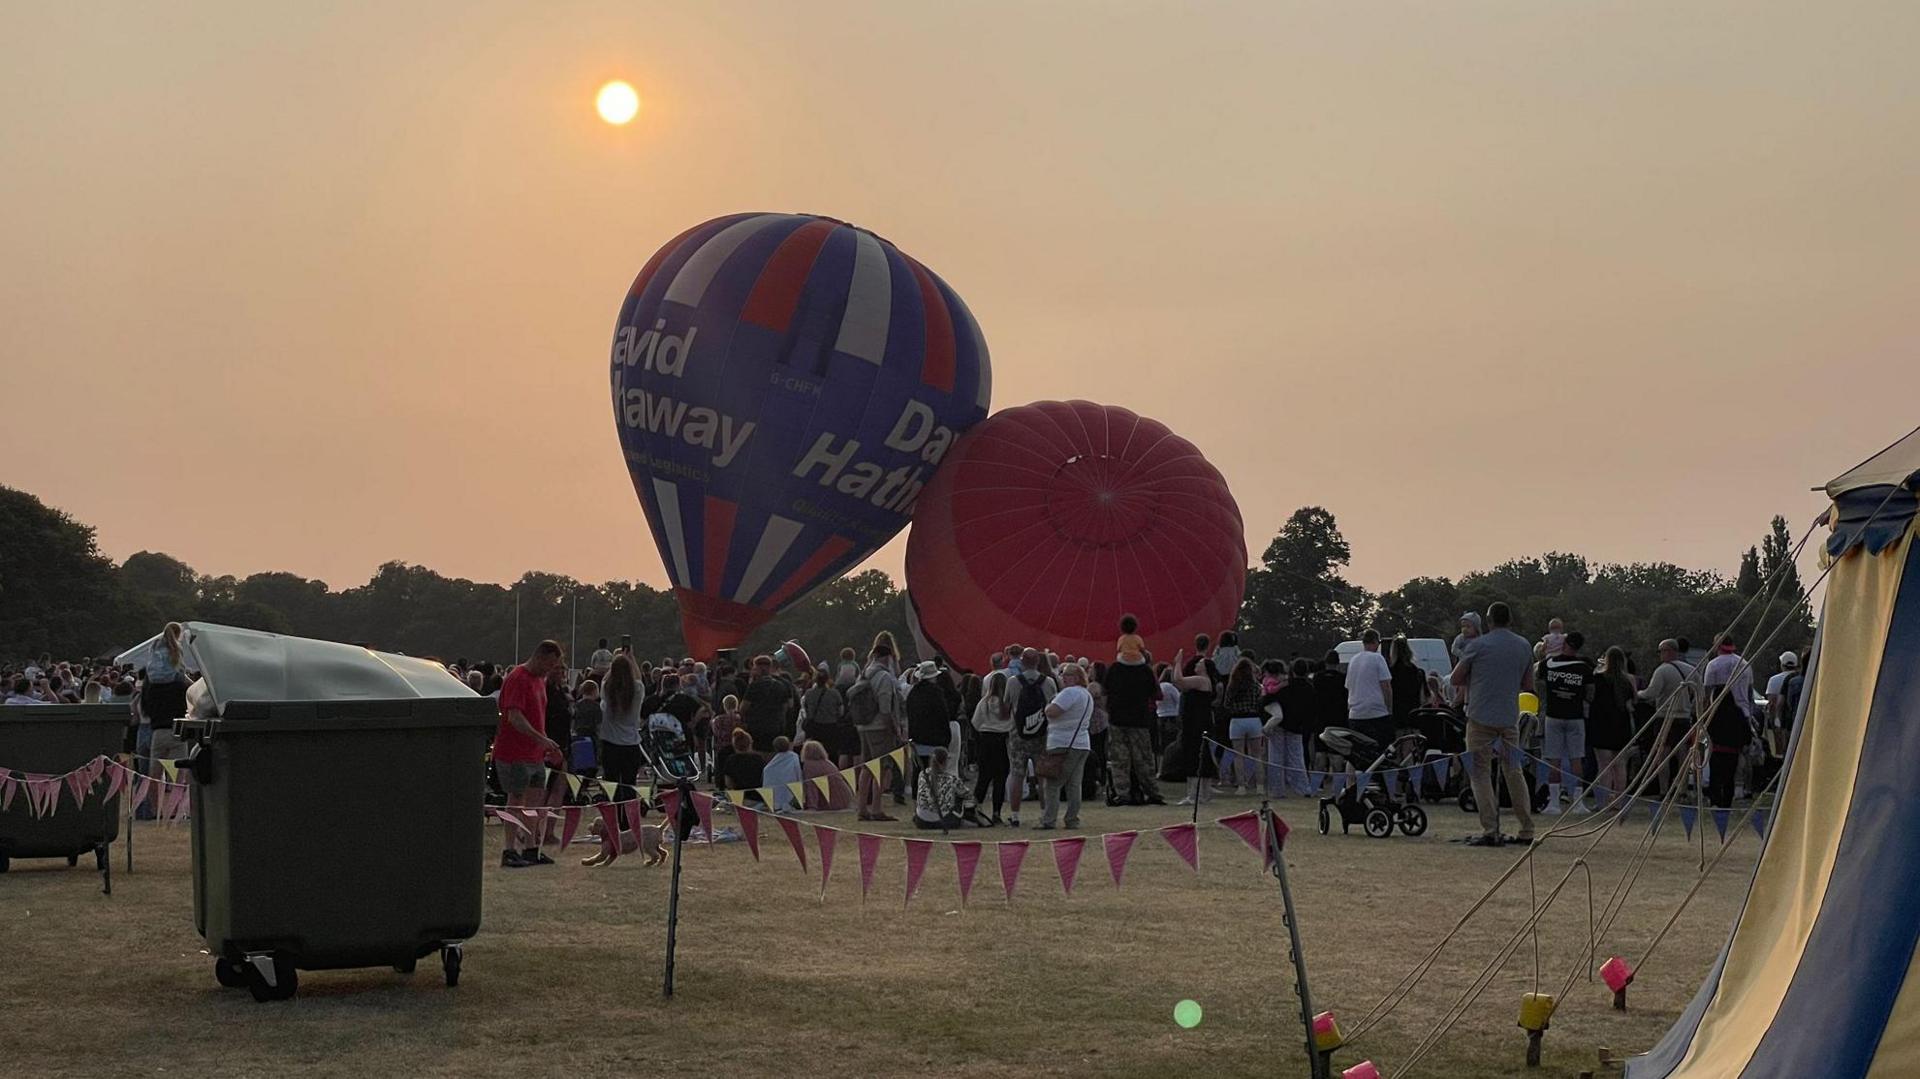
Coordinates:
[1063,731]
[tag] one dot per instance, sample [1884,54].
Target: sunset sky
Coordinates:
[313,287]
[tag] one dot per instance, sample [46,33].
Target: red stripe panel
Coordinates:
[653,264]
[937,369]
[828,553]
[777,293]
[719,537]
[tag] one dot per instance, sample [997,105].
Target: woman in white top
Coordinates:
[992,725]
[622,712]
[1068,718]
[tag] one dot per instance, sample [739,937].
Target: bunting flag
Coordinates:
[1012,853]
[1720,821]
[1247,827]
[1759,821]
[917,851]
[1118,845]
[1184,839]
[570,823]
[821,784]
[703,808]
[1317,778]
[176,805]
[869,858]
[825,838]
[609,825]
[140,791]
[1279,829]
[798,791]
[573,784]
[1466,762]
[1438,770]
[966,859]
[77,785]
[116,782]
[1393,785]
[874,767]
[792,828]
[7,788]
[1066,858]
[1687,815]
[1364,780]
[171,769]
[670,806]
[750,830]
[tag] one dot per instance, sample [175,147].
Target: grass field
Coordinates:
[564,977]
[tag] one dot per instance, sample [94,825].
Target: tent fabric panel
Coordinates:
[1789,886]
[1897,465]
[1834,1012]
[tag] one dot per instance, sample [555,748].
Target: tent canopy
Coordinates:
[1896,466]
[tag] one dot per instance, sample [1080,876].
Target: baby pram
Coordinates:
[1371,805]
[1528,737]
[669,755]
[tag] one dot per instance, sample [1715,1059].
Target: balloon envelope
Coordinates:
[1050,521]
[784,386]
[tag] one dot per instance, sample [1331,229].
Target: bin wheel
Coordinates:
[286,982]
[1412,820]
[406,967]
[73,860]
[450,960]
[1326,821]
[229,974]
[1378,824]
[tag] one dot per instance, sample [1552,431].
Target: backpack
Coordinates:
[1031,710]
[862,704]
[1790,691]
[820,711]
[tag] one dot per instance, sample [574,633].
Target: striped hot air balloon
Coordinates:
[784,386]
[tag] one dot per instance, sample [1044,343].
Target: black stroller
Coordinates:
[1530,737]
[1373,807]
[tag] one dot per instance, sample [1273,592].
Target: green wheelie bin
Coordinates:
[54,739]
[336,807]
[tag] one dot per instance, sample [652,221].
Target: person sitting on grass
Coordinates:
[744,769]
[782,768]
[814,764]
[939,802]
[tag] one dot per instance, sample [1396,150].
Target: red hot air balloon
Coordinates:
[1049,521]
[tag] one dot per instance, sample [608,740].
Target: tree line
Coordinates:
[60,595]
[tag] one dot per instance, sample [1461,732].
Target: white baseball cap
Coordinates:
[1790,660]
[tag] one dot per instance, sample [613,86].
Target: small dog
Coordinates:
[648,839]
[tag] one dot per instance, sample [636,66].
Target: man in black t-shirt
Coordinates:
[1329,710]
[768,706]
[1568,683]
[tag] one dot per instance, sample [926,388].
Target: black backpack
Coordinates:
[1031,711]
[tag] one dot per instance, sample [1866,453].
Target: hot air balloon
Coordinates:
[1050,521]
[784,386]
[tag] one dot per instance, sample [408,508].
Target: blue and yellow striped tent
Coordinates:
[1819,978]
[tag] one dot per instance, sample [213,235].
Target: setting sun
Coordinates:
[618,102]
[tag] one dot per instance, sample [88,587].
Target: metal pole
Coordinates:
[680,833]
[1318,1063]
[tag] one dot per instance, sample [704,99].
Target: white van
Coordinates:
[1429,653]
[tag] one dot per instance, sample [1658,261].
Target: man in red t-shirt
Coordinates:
[521,749]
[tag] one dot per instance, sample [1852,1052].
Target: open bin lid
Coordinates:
[248,665]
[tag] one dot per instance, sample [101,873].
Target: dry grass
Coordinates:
[564,977]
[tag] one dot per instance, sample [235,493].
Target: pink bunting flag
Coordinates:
[703,806]
[825,838]
[1119,845]
[46,796]
[1012,853]
[177,803]
[7,788]
[76,781]
[750,829]
[1247,827]
[610,825]
[917,851]
[116,782]
[1184,839]
[1066,858]
[141,790]
[670,805]
[570,823]
[966,859]
[869,858]
[792,828]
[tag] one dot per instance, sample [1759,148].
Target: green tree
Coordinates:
[1297,600]
[58,594]
[1423,607]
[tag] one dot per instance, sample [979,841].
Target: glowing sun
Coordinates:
[617,102]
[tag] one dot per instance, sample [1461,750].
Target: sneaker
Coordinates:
[1013,820]
[1046,827]
[1073,825]
[1187,801]
[1553,808]
[540,858]
[1485,841]
[510,859]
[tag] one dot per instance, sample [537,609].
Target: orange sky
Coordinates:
[291,288]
